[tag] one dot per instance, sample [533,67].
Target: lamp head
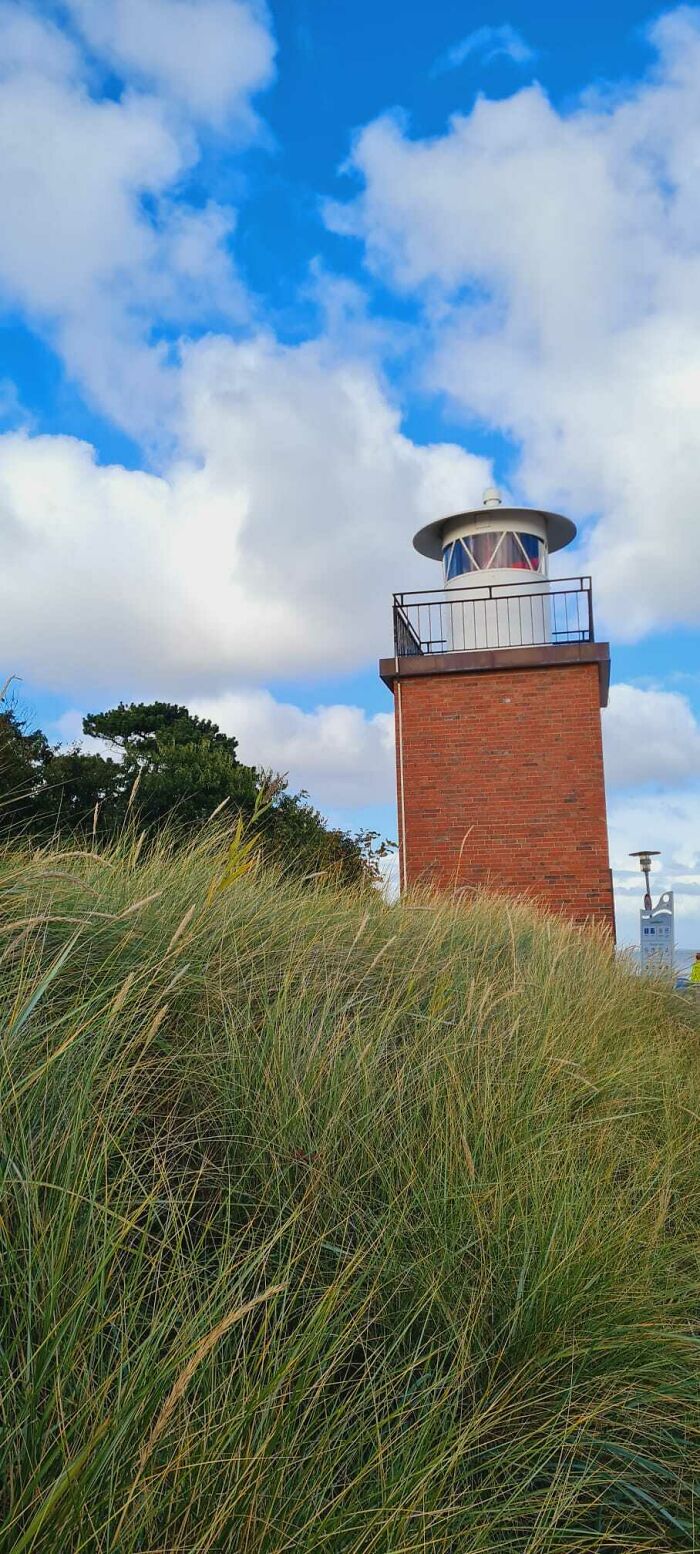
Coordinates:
[645,858]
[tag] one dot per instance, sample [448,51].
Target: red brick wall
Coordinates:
[502,780]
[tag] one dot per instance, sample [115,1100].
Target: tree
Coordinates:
[23,757]
[44,788]
[185,766]
[78,790]
[297,835]
[168,766]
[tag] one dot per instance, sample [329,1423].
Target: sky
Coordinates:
[279,284]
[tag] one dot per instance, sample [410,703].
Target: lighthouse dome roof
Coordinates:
[560,531]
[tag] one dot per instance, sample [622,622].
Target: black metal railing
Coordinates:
[500,615]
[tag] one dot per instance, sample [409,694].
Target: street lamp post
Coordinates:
[645,866]
[656,928]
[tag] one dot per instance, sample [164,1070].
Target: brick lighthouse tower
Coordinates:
[498,685]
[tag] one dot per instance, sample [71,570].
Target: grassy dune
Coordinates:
[333,1226]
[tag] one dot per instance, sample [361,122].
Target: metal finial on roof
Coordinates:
[492,497]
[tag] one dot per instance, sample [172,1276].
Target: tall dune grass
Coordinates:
[329,1225]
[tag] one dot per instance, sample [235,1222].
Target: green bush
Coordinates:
[336,1226]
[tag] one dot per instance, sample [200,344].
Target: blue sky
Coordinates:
[277,285]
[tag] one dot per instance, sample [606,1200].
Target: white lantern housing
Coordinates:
[496,559]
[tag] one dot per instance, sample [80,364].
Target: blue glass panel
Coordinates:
[455,559]
[493,548]
[532,547]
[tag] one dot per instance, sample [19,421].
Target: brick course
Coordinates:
[502,781]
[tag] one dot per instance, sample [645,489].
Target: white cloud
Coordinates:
[211,56]
[487,43]
[342,757]
[650,737]
[557,254]
[67,731]
[96,251]
[671,825]
[271,546]
[68,728]
[87,284]
[34,45]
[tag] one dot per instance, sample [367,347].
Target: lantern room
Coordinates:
[495,564]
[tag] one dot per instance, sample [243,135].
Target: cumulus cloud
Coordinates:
[487,43]
[96,251]
[650,737]
[344,758]
[34,44]
[211,56]
[270,546]
[557,254]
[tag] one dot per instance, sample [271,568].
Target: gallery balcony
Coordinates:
[481,625]
[445,620]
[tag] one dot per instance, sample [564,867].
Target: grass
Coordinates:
[329,1225]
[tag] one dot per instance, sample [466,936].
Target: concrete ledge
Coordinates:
[559,656]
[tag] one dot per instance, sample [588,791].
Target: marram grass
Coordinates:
[329,1225]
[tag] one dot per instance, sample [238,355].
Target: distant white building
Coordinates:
[656,935]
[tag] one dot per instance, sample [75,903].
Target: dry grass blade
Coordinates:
[121,996]
[203,1349]
[134,791]
[189,914]
[180,1387]
[4,688]
[137,905]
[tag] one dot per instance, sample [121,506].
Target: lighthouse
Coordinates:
[498,684]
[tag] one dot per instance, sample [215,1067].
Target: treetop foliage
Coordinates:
[147,728]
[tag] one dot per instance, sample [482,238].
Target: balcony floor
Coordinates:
[477,661]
